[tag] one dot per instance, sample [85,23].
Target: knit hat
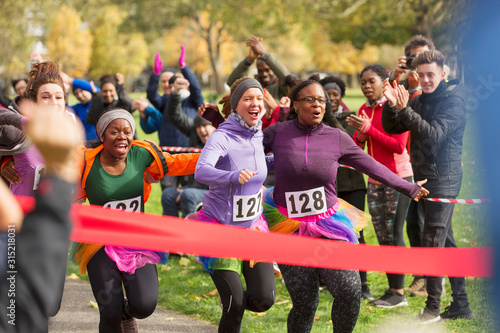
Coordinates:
[240,90]
[200,121]
[171,70]
[107,117]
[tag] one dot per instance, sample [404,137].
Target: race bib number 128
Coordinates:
[247,207]
[305,203]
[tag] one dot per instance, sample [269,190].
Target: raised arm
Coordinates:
[175,114]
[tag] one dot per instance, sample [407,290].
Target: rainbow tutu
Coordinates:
[343,224]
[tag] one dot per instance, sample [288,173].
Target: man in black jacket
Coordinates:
[437,121]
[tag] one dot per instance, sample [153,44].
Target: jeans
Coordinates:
[438,232]
[189,198]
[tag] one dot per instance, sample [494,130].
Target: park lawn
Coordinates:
[186,288]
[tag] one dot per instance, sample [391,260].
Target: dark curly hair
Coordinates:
[377,69]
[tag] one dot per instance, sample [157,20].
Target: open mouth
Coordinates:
[254,114]
[121,148]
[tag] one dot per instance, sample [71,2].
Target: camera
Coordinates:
[409,60]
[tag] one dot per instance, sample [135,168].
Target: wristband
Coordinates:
[414,90]
[391,77]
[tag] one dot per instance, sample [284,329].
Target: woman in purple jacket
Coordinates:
[304,202]
[233,164]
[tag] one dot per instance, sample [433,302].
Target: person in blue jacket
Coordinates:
[191,97]
[83,93]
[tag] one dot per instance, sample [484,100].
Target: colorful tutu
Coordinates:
[127,260]
[210,264]
[341,225]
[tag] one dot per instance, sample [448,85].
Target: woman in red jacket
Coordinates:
[386,205]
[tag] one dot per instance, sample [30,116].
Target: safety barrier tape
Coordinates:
[457,201]
[93,224]
[181,149]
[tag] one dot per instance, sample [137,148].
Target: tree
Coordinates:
[70,43]
[115,52]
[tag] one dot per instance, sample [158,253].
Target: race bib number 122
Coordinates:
[305,203]
[128,205]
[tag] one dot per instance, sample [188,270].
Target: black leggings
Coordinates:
[106,281]
[302,285]
[258,297]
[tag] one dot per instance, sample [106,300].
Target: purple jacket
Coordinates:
[307,158]
[230,149]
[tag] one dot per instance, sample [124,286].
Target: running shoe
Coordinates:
[390,299]
[454,312]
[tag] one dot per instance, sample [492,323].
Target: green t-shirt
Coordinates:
[124,191]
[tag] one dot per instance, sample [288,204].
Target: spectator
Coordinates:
[198,130]
[270,72]
[387,207]
[436,120]
[83,93]
[112,96]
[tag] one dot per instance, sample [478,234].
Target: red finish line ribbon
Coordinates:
[93,224]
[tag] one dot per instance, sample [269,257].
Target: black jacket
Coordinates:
[437,124]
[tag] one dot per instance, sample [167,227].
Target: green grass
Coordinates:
[185,287]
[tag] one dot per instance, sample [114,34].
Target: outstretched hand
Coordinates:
[120,78]
[390,92]
[256,48]
[402,98]
[182,58]
[92,87]
[205,106]
[158,65]
[423,191]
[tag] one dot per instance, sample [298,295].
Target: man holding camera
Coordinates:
[436,120]
[403,73]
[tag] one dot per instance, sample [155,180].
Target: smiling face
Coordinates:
[335,98]
[250,106]
[430,75]
[310,114]
[372,86]
[82,96]
[204,131]
[20,87]
[51,95]
[108,91]
[117,139]
[265,74]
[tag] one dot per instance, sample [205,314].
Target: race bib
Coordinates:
[247,207]
[305,203]
[39,172]
[128,205]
